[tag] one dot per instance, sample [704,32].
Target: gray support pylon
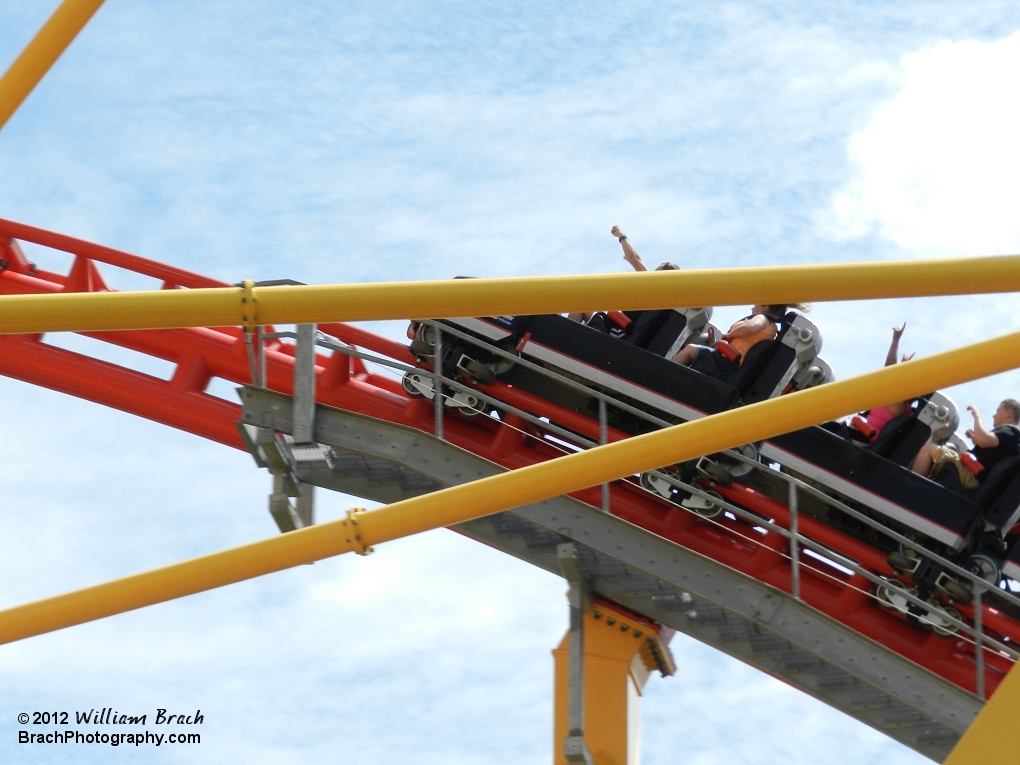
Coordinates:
[280,507]
[574,748]
[304,385]
[304,415]
[437,385]
[304,505]
[604,439]
[272,449]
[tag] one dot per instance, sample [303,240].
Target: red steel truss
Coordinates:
[199,355]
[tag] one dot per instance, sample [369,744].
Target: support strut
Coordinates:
[620,651]
[574,748]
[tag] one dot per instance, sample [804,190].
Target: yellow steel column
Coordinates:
[315,304]
[991,738]
[620,653]
[40,54]
[640,291]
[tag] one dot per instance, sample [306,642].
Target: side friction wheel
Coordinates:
[706,508]
[482,374]
[741,469]
[909,551]
[428,336]
[422,349]
[716,473]
[891,595]
[407,383]
[503,366]
[656,484]
[472,407]
[958,591]
[937,619]
[985,567]
[902,562]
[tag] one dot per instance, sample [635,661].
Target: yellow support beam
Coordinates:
[619,657]
[992,735]
[516,488]
[248,306]
[40,54]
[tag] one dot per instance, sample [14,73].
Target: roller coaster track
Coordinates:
[724,582]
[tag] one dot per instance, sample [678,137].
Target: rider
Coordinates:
[730,352]
[631,256]
[990,446]
[880,416]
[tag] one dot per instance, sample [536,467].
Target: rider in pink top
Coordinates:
[880,416]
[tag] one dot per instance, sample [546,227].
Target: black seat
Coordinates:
[764,366]
[902,437]
[999,495]
[655,331]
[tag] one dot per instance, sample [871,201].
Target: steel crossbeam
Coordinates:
[42,52]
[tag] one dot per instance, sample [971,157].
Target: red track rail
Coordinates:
[201,354]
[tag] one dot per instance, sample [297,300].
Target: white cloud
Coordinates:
[937,165]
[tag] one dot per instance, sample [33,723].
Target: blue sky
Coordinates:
[378,141]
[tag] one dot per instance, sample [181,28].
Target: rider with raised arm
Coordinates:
[990,446]
[880,416]
[630,254]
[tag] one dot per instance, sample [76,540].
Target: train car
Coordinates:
[623,361]
[634,367]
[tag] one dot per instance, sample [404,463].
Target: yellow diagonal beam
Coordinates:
[40,54]
[511,296]
[516,488]
[992,735]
